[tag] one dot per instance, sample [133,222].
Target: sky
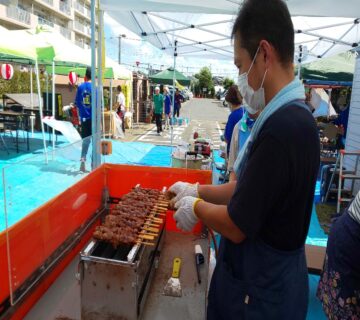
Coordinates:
[135,49]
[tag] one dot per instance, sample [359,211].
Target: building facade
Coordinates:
[71,18]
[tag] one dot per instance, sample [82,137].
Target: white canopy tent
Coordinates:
[202,28]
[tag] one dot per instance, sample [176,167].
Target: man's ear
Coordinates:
[267,53]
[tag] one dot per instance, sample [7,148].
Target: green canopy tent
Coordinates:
[167,77]
[336,68]
[20,49]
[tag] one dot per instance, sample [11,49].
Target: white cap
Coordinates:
[157,88]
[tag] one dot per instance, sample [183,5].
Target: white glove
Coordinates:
[185,214]
[183,189]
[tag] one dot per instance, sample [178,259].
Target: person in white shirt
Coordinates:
[120,104]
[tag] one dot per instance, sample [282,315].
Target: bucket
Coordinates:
[189,162]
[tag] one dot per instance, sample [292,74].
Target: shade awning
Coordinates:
[337,68]
[167,76]
[202,28]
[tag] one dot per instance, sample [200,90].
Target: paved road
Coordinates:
[206,116]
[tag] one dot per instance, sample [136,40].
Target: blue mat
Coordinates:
[30,182]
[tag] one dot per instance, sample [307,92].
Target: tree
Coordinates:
[20,83]
[227,83]
[205,81]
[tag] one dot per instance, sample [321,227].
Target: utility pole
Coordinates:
[120,37]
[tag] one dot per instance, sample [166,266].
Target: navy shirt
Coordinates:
[233,119]
[274,198]
[83,100]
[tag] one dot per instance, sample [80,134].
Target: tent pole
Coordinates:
[41,109]
[110,107]
[94,111]
[100,96]
[173,95]
[31,101]
[299,60]
[53,105]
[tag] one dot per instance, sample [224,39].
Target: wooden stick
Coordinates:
[158,213]
[146,237]
[145,243]
[157,230]
[162,206]
[148,223]
[157,220]
[144,232]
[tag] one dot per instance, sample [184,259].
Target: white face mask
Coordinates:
[255,99]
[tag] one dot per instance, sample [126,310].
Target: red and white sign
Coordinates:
[73,77]
[7,71]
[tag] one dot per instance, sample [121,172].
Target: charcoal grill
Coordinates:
[115,282]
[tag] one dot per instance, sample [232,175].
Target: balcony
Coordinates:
[64,8]
[79,44]
[43,21]
[18,14]
[79,8]
[65,32]
[79,26]
[48,2]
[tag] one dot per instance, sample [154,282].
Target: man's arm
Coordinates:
[217,218]
[217,194]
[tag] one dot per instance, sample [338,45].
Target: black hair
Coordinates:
[265,20]
[119,88]
[233,95]
[88,73]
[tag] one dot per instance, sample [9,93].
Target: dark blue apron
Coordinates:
[254,281]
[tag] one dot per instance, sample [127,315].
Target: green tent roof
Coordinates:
[166,77]
[336,68]
[65,70]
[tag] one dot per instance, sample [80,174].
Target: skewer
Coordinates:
[158,209]
[158,212]
[159,205]
[148,233]
[148,223]
[157,220]
[157,230]
[146,237]
[145,243]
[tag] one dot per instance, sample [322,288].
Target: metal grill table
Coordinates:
[192,304]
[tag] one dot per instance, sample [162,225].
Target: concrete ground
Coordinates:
[206,116]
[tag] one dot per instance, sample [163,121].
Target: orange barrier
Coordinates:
[33,239]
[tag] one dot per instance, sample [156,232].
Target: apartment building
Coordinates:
[71,18]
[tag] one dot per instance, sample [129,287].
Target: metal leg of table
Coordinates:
[4,143]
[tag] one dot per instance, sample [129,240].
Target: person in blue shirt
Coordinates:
[234,99]
[83,103]
[167,103]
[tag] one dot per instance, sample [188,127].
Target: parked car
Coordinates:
[222,98]
[185,94]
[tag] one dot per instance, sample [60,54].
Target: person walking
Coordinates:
[83,103]
[178,98]
[158,109]
[263,216]
[167,107]
[120,104]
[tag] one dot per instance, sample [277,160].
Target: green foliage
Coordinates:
[205,81]
[227,83]
[20,83]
